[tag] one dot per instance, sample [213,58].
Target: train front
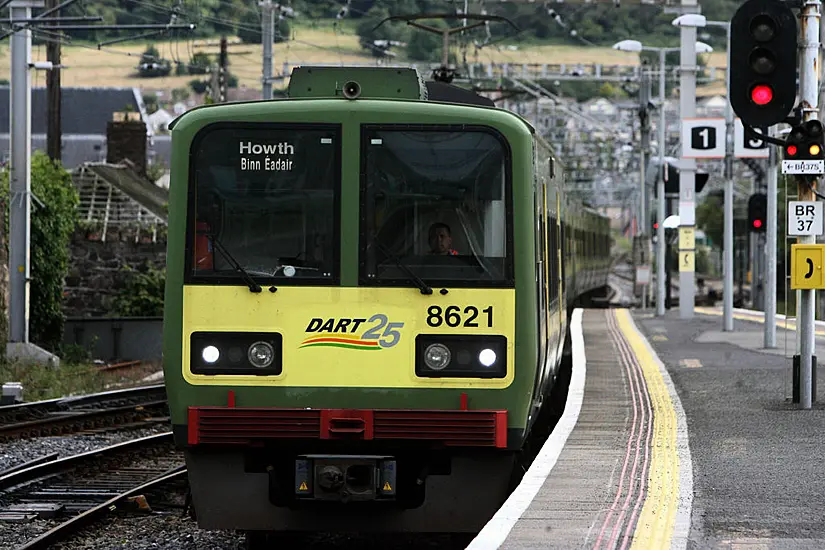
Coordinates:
[340,331]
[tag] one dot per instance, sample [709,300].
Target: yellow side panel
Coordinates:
[312,352]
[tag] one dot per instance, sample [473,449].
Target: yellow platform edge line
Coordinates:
[656,523]
[789,324]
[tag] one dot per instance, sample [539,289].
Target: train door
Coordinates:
[549,335]
[539,189]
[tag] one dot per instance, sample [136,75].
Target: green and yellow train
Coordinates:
[367,295]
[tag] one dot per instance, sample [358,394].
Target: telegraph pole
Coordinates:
[809,101]
[267,24]
[644,119]
[444,73]
[222,71]
[54,131]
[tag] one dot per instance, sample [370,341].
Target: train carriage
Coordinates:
[368,286]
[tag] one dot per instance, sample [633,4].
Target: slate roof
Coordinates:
[77,149]
[84,110]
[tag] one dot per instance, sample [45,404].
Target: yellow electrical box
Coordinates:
[807,263]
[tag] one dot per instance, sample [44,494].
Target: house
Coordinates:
[84,115]
[159,121]
[600,107]
[713,105]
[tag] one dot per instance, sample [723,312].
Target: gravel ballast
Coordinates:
[22,450]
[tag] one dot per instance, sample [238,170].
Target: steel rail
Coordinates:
[16,479]
[61,424]
[64,530]
[13,412]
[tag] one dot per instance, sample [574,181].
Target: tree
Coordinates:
[53,219]
[151,102]
[152,65]
[198,86]
[709,220]
[249,28]
[200,63]
[367,33]
[142,295]
[180,94]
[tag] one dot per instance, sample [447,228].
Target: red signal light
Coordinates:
[791,150]
[757,223]
[762,94]
[655,226]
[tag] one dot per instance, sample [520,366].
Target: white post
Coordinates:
[727,269]
[20,180]
[660,199]
[687,166]
[809,100]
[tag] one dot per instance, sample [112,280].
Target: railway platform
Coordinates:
[675,434]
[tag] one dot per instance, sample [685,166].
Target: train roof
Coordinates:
[390,83]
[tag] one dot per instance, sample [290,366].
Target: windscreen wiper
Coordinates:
[253,286]
[425,289]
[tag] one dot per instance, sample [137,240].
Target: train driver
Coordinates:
[441,240]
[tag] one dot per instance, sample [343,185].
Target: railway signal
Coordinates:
[757,212]
[804,149]
[805,142]
[763,48]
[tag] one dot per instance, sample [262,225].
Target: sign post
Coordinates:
[702,138]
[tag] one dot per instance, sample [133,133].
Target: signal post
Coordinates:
[762,92]
[809,101]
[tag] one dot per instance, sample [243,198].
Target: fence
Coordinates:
[117,338]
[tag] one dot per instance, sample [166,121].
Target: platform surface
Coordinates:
[615,473]
[728,461]
[759,462]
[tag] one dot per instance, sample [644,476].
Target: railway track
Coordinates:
[71,493]
[98,412]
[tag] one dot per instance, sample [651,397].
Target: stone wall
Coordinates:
[96,268]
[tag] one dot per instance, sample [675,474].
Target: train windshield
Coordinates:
[435,206]
[265,198]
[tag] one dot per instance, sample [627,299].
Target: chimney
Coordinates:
[126,139]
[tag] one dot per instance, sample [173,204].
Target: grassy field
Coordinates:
[41,382]
[115,66]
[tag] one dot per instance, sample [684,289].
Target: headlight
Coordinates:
[261,354]
[460,356]
[437,356]
[487,357]
[210,354]
[258,353]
